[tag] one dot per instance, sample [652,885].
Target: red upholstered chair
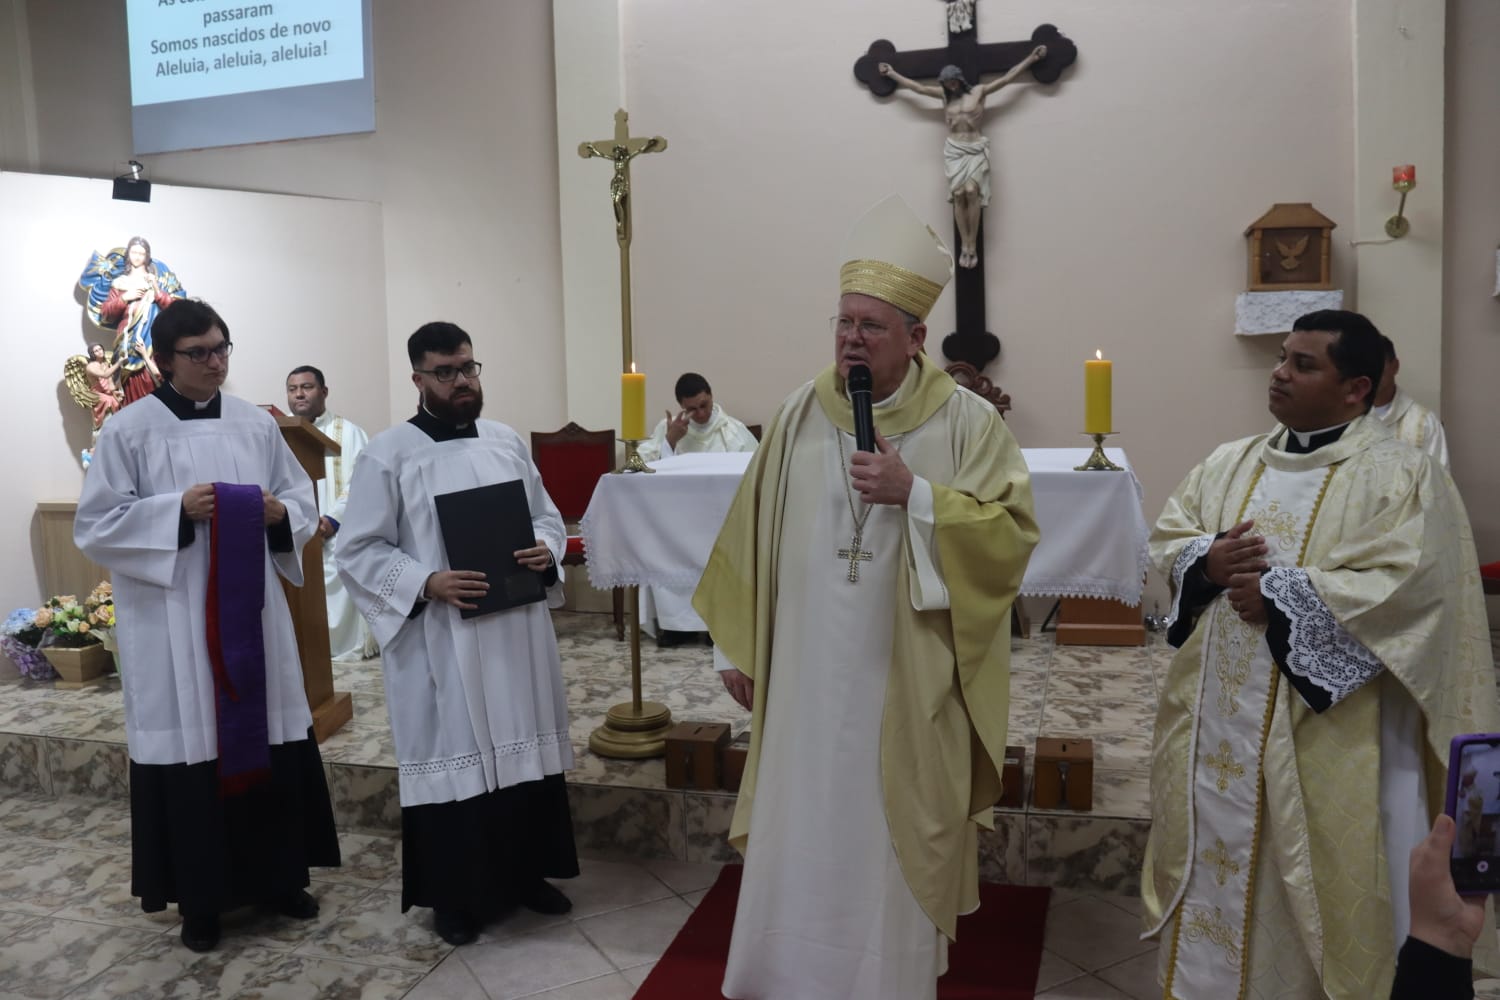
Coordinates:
[571,461]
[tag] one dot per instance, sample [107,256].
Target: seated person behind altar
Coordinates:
[860,607]
[700,425]
[1331,642]
[349,636]
[196,504]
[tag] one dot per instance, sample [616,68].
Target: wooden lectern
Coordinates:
[309,602]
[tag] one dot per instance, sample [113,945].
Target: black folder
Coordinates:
[482,527]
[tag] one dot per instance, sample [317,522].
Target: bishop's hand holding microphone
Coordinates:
[875,469]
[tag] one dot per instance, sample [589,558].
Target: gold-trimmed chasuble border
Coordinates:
[1211,929]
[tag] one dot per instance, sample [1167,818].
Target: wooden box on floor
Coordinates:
[732,762]
[1063,774]
[693,750]
[1013,779]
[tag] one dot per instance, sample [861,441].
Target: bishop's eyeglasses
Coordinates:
[448,374]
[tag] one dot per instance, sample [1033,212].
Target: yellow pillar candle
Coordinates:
[633,405]
[1096,395]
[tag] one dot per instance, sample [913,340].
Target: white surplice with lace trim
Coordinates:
[475,704]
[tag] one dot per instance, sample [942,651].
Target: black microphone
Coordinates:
[864,420]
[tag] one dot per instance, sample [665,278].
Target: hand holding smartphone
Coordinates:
[1473,801]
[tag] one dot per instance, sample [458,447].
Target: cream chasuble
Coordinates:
[875,748]
[349,637]
[1415,424]
[1277,858]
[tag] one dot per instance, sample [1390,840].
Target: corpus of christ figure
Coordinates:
[620,151]
[966,151]
[1048,52]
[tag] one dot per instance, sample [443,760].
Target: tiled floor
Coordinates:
[69,928]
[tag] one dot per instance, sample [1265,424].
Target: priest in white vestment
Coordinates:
[1408,419]
[195,504]
[349,638]
[477,705]
[860,605]
[700,425]
[1332,641]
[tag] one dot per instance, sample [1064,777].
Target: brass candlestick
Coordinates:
[633,460]
[637,730]
[1098,461]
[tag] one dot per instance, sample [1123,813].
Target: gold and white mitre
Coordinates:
[894,256]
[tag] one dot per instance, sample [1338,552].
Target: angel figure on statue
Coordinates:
[91,381]
[966,152]
[126,290]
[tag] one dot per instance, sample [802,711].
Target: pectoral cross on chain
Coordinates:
[855,555]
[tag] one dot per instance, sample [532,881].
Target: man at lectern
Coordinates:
[195,503]
[349,637]
[473,681]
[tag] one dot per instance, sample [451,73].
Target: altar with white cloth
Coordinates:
[659,529]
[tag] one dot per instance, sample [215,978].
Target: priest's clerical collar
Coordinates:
[441,430]
[1302,442]
[188,409]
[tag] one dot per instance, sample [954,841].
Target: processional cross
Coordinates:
[620,150]
[971,342]
[638,729]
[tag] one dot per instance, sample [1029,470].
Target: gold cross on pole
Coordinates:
[855,555]
[619,151]
[1224,865]
[1224,763]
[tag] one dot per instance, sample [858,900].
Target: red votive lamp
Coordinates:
[1404,178]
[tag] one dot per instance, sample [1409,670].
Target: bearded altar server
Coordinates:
[477,705]
[860,603]
[700,425]
[1408,419]
[1331,641]
[195,504]
[349,637]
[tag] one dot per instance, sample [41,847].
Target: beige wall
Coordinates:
[1119,198]
[463,162]
[1471,315]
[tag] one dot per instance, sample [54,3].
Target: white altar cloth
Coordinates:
[659,529]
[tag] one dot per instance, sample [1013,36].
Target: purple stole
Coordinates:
[236,640]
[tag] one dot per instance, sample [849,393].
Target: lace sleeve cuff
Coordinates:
[1314,652]
[1191,590]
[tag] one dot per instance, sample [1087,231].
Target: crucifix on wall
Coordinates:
[958,68]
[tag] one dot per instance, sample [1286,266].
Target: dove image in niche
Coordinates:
[1290,254]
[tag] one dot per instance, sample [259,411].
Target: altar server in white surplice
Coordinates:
[1331,641]
[1408,419]
[349,637]
[195,504]
[700,425]
[477,705]
[860,605]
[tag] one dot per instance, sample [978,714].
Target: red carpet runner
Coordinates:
[998,953]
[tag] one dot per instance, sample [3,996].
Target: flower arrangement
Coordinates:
[65,622]
[100,605]
[20,636]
